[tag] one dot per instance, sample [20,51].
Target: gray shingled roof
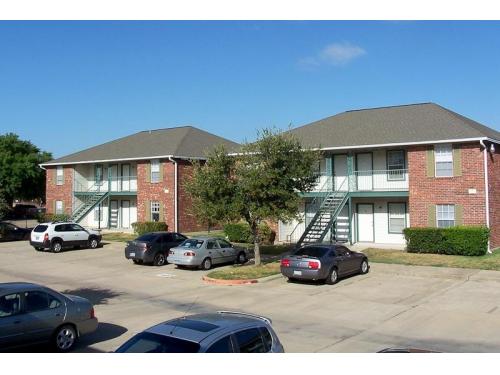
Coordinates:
[426,122]
[184,141]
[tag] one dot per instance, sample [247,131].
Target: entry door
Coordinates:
[113,176]
[113,218]
[125,177]
[365,223]
[125,214]
[340,172]
[364,171]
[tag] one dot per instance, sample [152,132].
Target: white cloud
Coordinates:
[333,54]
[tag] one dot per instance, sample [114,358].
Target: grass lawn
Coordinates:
[245,272]
[118,236]
[485,262]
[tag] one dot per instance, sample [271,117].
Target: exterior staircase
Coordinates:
[90,199]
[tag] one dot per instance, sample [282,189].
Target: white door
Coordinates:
[125,214]
[365,223]
[125,177]
[340,172]
[113,176]
[113,219]
[364,171]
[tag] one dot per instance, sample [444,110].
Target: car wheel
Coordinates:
[65,338]
[137,261]
[364,267]
[242,258]
[93,243]
[206,264]
[159,259]
[333,276]
[56,246]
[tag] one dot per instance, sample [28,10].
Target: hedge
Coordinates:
[143,227]
[461,240]
[45,218]
[240,232]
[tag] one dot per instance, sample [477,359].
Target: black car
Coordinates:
[11,232]
[323,262]
[152,248]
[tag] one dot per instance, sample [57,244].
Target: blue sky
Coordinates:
[71,85]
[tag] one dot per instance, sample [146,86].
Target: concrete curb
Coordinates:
[212,281]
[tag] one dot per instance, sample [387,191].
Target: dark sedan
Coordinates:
[152,248]
[323,262]
[11,232]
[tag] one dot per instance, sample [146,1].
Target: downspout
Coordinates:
[176,227]
[486,188]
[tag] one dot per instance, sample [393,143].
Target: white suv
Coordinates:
[58,235]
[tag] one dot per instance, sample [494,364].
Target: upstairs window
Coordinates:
[395,165]
[155,170]
[59,175]
[444,160]
[445,215]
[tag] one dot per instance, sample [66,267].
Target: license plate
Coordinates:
[132,254]
[36,238]
[298,273]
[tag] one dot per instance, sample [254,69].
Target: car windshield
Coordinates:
[40,228]
[147,342]
[316,252]
[146,237]
[192,244]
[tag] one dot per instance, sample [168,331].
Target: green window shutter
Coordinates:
[430,163]
[148,171]
[161,172]
[161,211]
[431,222]
[147,210]
[457,161]
[459,214]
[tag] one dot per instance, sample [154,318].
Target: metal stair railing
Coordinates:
[90,198]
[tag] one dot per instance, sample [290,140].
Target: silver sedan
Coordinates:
[204,252]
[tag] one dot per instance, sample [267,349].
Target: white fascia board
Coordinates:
[122,159]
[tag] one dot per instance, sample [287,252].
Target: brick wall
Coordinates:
[187,220]
[425,191]
[494,196]
[62,192]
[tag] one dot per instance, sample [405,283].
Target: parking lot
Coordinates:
[441,309]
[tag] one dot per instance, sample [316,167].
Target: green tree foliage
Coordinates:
[260,183]
[20,175]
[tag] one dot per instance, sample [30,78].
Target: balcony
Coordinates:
[122,184]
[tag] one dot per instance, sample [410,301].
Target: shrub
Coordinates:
[240,232]
[44,217]
[461,240]
[142,227]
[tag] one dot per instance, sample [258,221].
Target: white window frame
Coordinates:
[59,210]
[442,210]
[396,217]
[400,174]
[443,153]
[98,213]
[155,209]
[59,175]
[155,171]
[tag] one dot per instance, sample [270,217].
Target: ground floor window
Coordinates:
[445,215]
[155,211]
[59,208]
[98,213]
[397,217]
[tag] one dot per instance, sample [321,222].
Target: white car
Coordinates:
[58,235]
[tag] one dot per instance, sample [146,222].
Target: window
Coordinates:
[445,215]
[98,174]
[59,208]
[315,252]
[54,303]
[395,165]
[146,342]
[250,341]
[224,244]
[155,170]
[40,228]
[36,301]
[224,345]
[10,305]
[192,244]
[268,339]
[397,217]
[98,213]
[59,175]
[211,244]
[444,160]
[155,211]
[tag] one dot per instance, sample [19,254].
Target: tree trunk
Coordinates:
[256,243]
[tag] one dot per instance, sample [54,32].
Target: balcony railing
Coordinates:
[113,184]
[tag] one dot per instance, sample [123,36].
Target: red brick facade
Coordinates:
[187,220]
[494,196]
[56,192]
[425,191]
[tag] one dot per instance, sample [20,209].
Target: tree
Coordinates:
[261,183]
[20,174]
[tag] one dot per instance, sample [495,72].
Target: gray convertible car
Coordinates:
[323,262]
[206,251]
[31,314]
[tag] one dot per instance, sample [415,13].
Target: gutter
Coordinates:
[176,226]
[125,159]
[486,187]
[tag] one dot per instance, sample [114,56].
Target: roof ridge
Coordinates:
[169,128]
[389,106]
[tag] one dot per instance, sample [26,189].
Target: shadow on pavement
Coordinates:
[97,296]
